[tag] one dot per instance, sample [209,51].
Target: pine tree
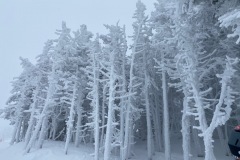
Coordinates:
[113,48]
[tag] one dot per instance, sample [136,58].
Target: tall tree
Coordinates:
[140,48]
[162,23]
[21,99]
[113,48]
[93,95]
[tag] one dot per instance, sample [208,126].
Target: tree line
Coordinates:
[181,76]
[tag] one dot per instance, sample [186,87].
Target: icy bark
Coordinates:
[123,101]
[222,110]
[96,128]
[43,131]
[79,121]
[158,130]
[103,114]
[71,116]
[109,130]
[186,130]
[96,106]
[16,131]
[121,131]
[44,112]
[147,105]
[165,114]
[18,116]
[158,125]
[125,149]
[128,139]
[127,133]
[32,118]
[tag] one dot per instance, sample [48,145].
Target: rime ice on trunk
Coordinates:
[109,131]
[147,105]
[186,129]
[43,132]
[32,119]
[165,113]
[44,112]
[223,108]
[103,114]
[79,120]
[123,102]
[125,143]
[19,116]
[95,100]
[71,116]
[15,131]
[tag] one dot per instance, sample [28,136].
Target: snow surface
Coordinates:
[55,150]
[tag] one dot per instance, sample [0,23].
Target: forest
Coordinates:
[178,74]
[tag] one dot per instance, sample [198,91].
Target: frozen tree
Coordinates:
[140,48]
[43,67]
[81,42]
[93,92]
[191,64]
[113,48]
[93,95]
[21,100]
[222,109]
[53,79]
[77,60]
[138,26]
[162,22]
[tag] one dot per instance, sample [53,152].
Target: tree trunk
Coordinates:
[147,107]
[209,155]
[165,116]
[96,107]
[186,130]
[79,121]
[109,130]
[19,130]
[16,128]
[126,136]
[44,112]
[34,135]
[71,117]
[159,124]
[103,114]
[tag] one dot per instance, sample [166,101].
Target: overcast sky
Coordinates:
[26,24]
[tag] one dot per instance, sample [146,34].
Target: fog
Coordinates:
[27,24]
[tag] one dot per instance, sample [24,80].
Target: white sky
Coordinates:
[26,24]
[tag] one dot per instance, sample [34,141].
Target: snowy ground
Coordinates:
[54,150]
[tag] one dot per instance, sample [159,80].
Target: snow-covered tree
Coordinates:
[192,65]
[93,95]
[114,42]
[162,23]
[21,100]
[99,92]
[43,67]
[62,48]
[139,61]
